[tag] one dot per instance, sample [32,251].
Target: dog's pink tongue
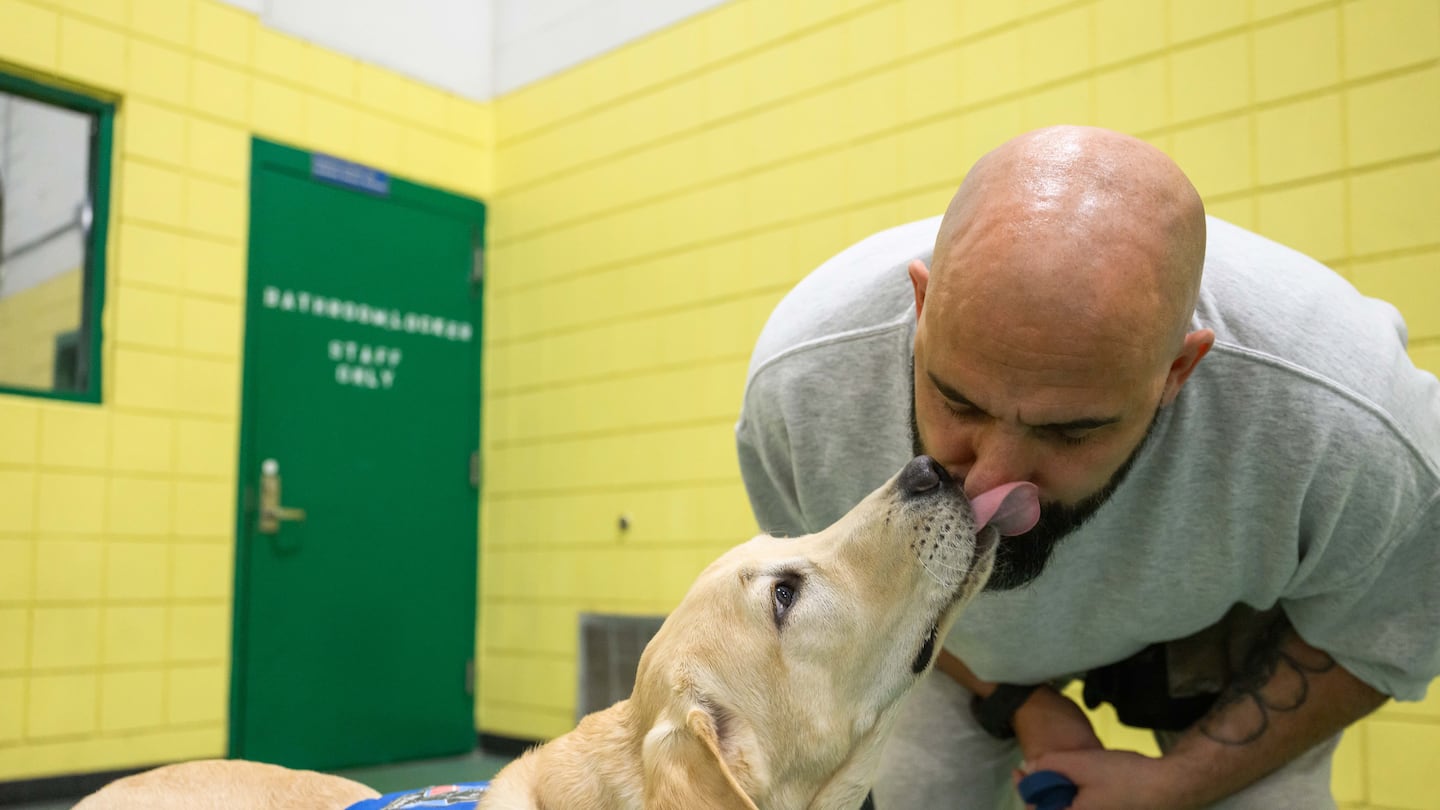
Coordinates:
[1012,508]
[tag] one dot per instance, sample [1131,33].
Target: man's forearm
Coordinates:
[1286,698]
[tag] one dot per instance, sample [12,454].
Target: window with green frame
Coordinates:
[54,207]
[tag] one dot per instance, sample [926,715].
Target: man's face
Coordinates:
[995,406]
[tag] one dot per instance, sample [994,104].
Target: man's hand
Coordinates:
[1048,722]
[1112,780]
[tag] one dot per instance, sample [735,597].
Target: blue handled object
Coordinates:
[1048,790]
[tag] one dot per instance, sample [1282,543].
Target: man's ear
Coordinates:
[920,280]
[684,769]
[1197,344]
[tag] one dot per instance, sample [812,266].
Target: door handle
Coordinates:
[271,512]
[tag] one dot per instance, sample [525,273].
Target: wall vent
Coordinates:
[610,648]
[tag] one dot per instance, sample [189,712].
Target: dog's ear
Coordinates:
[684,768]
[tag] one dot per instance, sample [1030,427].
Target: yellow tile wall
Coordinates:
[117,519]
[653,204]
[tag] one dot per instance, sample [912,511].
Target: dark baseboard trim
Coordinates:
[505,746]
[59,788]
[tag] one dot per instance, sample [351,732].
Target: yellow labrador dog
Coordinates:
[773,684]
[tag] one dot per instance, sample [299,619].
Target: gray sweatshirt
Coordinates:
[1299,467]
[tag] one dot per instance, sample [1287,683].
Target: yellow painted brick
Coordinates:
[145,379]
[67,570]
[1211,78]
[376,140]
[211,387]
[1063,104]
[164,19]
[205,509]
[140,443]
[221,90]
[92,53]
[279,55]
[213,267]
[202,570]
[1124,29]
[70,503]
[1056,47]
[145,317]
[14,638]
[198,633]
[1299,140]
[522,721]
[12,710]
[527,680]
[19,431]
[1385,34]
[133,635]
[982,15]
[1265,9]
[17,509]
[153,131]
[1297,55]
[991,66]
[210,327]
[219,150]
[110,11]
[214,208]
[1347,769]
[1405,754]
[198,694]
[159,72]
[65,637]
[74,435]
[140,506]
[147,254]
[1394,208]
[1411,283]
[1216,157]
[1309,218]
[277,110]
[1132,98]
[383,90]
[1191,19]
[1426,356]
[17,569]
[132,700]
[330,125]
[30,35]
[330,73]
[152,194]
[206,447]
[61,705]
[135,570]
[473,121]
[871,34]
[1394,118]
[925,23]
[225,33]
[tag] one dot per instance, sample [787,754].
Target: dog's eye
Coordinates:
[784,598]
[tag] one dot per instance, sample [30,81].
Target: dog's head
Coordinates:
[775,680]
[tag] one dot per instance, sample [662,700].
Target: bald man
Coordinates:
[1239,468]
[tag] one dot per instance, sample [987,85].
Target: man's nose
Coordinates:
[1001,456]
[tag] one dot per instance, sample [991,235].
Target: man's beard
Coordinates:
[1023,557]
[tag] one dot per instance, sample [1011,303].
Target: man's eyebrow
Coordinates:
[1089,423]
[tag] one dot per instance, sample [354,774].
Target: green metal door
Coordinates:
[355,622]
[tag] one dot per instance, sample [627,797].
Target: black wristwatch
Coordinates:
[996,712]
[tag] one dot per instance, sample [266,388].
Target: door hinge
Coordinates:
[475,469]
[477,265]
[470,677]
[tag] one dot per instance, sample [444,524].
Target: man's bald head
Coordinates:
[1075,225]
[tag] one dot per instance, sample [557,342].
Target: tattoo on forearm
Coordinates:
[1272,680]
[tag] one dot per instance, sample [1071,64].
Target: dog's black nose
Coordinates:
[922,475]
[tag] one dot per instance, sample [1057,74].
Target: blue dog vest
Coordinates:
[461,796]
